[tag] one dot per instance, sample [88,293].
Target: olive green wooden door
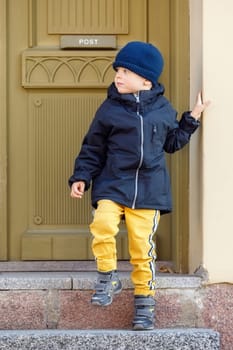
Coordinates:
[53,95]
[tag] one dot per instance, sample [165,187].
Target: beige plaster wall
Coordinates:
[217,140]
[195,215]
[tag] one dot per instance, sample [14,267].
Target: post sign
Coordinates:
[88,42]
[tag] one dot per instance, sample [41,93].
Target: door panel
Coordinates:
[52,103]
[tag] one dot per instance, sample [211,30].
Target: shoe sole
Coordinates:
[99,304]
[140,327]
[96,302]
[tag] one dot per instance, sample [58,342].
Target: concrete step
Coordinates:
[61,300]
[166,339]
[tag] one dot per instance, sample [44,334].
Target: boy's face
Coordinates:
[128,82]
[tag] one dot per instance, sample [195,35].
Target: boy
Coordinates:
[123,156]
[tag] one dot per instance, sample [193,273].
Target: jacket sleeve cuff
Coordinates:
[188,123]
[73,179]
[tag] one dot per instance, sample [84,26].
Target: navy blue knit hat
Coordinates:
[141,58]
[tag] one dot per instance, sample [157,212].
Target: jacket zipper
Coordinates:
[141,152]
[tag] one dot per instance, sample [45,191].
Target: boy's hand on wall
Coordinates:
[199,107]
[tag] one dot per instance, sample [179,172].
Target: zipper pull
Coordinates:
[137,97]
[137,102]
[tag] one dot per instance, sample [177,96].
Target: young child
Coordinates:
[123,156]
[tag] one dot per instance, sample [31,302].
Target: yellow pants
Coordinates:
[141,225]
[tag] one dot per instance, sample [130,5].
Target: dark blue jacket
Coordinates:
[123,153]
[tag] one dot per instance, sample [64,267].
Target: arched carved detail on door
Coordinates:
[66,70]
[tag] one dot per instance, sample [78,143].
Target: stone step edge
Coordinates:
[159,339]
[85,280]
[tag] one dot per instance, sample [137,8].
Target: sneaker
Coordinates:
[107,285]
[144,313]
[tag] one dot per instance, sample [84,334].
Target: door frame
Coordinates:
[180,96]
[3,131]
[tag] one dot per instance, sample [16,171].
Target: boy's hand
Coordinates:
[77,189]
[199,107]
